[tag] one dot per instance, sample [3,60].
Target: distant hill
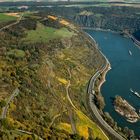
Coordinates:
[73,0]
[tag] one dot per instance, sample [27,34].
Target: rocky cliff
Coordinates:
[116,18]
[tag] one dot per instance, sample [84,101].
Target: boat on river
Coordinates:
[130,52]
[135,92]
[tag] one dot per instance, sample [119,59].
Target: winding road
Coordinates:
[69,99]
[94,109]
[16,91]
[5,109]
[29,133]
[17,21]
[67,91]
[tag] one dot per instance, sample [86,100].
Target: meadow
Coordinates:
[44,33]
[6,18]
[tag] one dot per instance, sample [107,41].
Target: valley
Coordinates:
[37,61]
[52,71]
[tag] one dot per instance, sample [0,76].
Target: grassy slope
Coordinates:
[44,34]
[6,18]
[42,73]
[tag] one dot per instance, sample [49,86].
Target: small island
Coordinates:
[125,109]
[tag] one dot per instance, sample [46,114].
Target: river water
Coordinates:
[125,73]
[137,35]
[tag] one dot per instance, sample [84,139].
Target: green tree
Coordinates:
[100,102]
[4,123]
[2,103]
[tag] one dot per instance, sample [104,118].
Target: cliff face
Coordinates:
[112,22]
[116,18]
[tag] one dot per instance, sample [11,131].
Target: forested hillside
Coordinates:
[116,17]
[45,67]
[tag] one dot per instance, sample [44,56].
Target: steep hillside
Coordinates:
[45,66]
[116,17]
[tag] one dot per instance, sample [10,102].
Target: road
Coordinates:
[69,99]
[67,91]
[29,133]
[5,109]
[93,107]
[70,113]
[7,26]
[16,91]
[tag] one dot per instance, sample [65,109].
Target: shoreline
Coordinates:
[106,68]
[91,94]
[135,41]
[100,29]
[125,109]
[102,70]
[103,78]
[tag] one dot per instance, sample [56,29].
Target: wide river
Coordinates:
[125,73]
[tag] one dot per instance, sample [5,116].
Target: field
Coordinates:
[44,34]
[6,18]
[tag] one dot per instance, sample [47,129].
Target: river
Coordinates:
[137,35]
[125,73]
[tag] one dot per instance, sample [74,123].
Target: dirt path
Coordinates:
[7,26]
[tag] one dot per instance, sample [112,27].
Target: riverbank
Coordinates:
[136,42]
[93,110]
[103,78]
[100,29]
[106,67]
[116,48]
